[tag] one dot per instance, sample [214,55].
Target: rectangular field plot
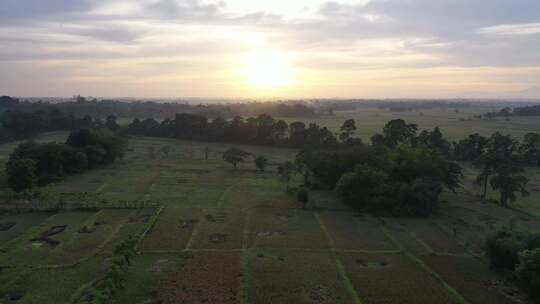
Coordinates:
[295,277]
[144,277]
[136,223]
[172,230]
[469,277]
[392,278]
[48,286]
[206,277]
[471,236]
[12,225]
[220,229]
[65,237]
[31,248]
[348,231]
[92,236]
[285,228]
[186,196]
[430,234]
[256,190]
[405,239]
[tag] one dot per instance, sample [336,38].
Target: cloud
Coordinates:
[511,29]
[338,37]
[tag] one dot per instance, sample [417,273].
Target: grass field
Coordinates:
[218,235]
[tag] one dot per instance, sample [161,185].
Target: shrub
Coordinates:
[261,163]
[528,272]
[303,196]
[504,247]
[21,174]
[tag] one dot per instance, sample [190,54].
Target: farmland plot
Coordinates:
[392,278]
[172,230]
[348,231]
[469,277]
[277,276]
[280,228]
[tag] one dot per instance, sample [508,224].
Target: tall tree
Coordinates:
[347,130]
[398,131]
[235,156]
[508,181]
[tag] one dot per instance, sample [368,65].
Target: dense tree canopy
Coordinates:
[41,163]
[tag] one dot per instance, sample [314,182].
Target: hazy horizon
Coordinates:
[372,49]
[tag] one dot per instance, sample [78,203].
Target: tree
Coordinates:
[303,196]
[498,153]
[398,131]
[280,131]
[347,130]
[528,272]
[530,149]
[297,134]
[235,156]
[285,172]
[21,174]
[111,123]
[508,182]
[363,188]
[261,163]
[471,148]
[433,140]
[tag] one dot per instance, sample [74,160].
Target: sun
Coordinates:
[266,69]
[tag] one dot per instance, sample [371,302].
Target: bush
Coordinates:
[418,198]
[32,163]
[261,163]
[503,248]
[302,196]
[363,188]
[528,272]
[21,174]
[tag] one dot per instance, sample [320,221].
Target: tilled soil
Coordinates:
[208,277]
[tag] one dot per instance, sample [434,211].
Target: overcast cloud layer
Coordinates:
[173,48]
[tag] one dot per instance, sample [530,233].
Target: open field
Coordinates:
[240,235]
[455,124]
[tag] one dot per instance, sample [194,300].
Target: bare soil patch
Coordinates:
[7,226]
[45,236]
[209,277]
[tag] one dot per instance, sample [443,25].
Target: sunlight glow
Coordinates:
[266,70]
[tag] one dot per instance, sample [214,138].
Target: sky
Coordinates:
[271,49]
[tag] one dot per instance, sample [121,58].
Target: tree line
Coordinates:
[402,171]
[35,164]
[81,106]
[532,110]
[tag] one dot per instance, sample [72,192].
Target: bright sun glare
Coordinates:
[266,70]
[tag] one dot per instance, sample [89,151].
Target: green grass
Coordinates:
[49,286]
[22,223]
[295,277]
[285,228]
[250,240]
[469,277]
[172,230]
[392,278]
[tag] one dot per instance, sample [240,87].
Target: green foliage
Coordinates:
[364,188]
[21,174]
[397,131]
[302,196]
[53,161]
[235,156]
[285,172]
[261,163]
[528,272]
[102,291]
[503,248]
[418,198]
